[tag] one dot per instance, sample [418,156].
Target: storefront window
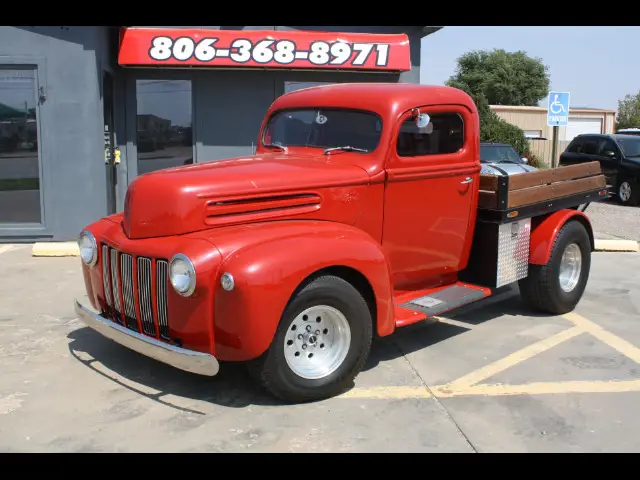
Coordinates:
[165,135]
[19,166]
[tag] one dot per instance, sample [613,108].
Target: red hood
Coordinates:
[239,190]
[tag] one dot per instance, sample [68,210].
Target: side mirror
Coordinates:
[609,153]
[524,160]
[422,120]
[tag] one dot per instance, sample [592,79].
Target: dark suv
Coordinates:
[619,157]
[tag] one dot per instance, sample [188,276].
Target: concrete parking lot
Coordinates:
[492,379]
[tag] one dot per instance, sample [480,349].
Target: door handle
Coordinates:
[467,180]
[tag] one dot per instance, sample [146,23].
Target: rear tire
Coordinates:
[558,286]
[627,192]
[321,343]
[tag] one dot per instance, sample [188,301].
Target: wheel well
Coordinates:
[355,278]
[587,226]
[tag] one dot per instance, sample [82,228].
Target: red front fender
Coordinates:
[544,231]
[268,263]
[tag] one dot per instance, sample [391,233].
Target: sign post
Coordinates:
[557,116]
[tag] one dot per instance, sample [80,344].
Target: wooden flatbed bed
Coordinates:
[525,195]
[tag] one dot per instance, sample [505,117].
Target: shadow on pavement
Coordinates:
[233,386]
[424,334]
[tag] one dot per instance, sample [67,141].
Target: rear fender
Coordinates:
[270,266]
[545,229]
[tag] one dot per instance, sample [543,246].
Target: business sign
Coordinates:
[558,109]
[308,50]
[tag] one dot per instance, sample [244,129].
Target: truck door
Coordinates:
[432,185]
[609,157]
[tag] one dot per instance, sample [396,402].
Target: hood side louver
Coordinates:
[218,212]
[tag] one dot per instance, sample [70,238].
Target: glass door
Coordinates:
[20,172]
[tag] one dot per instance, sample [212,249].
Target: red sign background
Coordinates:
[264,49]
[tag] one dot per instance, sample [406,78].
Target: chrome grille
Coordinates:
[128,291]
[144,296]
[126,274]
[115,280]
[162,273]
[106,276]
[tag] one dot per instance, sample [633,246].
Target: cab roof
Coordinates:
[385,99]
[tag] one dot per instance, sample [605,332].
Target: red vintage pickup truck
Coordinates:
[362,211]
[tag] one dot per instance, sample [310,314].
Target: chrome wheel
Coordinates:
[570,267]
[317,342]
[624,191]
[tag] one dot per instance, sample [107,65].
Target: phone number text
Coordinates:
[265,51]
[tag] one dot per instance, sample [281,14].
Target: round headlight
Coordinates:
[182,275]
[88,248]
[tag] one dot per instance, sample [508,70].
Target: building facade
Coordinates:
[84,110]
[533,121]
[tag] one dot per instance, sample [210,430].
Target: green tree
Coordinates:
[495,129]
[504,78]
[628,111]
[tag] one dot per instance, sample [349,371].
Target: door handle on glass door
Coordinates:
[467,180]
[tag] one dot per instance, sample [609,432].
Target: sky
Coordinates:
[597,65]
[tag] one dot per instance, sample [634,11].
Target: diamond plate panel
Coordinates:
[513,252]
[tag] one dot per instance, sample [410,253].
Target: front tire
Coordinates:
[321,344]
[558,286]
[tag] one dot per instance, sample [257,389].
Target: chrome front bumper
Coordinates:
[188,360]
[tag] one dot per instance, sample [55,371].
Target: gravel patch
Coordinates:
[611,221]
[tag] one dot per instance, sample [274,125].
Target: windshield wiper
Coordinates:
[345,148]
[275,145]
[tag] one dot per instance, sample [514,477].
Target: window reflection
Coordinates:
[19,168]
[165,136]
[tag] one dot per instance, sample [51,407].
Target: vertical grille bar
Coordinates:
[144,296]
[106,276]
[126,269]
[115,283]
[162,268]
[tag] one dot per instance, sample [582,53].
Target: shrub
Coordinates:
[535,161]
[493,128]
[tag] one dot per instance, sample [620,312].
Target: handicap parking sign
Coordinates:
[558,109]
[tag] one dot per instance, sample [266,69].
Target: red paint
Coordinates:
[275,218]
[544,231]
[259,49]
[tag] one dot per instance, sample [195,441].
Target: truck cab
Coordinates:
[362,210]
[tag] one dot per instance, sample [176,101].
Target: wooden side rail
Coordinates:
[504,192]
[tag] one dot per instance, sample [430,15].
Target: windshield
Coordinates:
[630,145]
[324,128]
[498,154]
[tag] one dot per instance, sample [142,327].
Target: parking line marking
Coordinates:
[513,359]
[494,390]
[455,323]
[624,347]
[5,248]
[543,388]
[383,393]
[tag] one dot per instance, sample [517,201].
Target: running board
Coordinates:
[436,301]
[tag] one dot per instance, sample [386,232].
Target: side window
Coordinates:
[576,145]
[608,147]
[591,146]
[445,134]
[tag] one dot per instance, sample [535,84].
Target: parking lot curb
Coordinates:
[616,246]
[55,249]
